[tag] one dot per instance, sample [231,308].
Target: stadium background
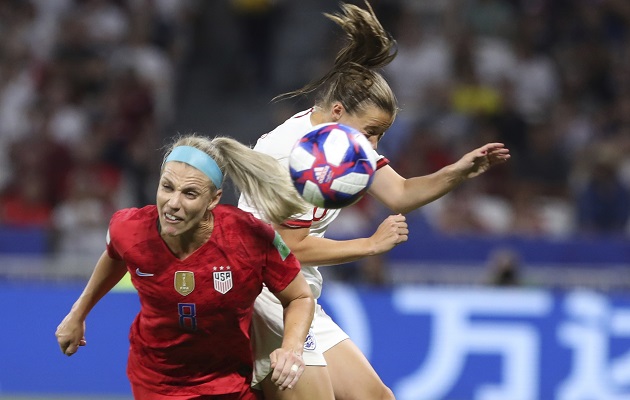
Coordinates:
[532,256]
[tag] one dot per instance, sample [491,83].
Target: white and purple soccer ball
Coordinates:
[332,166]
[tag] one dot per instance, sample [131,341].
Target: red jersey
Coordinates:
[191,335]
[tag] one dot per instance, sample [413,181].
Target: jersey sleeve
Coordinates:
[300,221]
[281,265]
[111,251]
[381,160]
[113,238]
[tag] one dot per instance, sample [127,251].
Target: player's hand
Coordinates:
[391,232]
[287,366]
[70,335]
[482,159]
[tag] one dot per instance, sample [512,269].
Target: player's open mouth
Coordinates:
[171,218]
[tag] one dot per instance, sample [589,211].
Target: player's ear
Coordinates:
[337,111]
[215,200]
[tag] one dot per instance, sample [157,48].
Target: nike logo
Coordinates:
[140,273]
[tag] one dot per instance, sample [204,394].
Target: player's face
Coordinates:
[372,122]
[184,198]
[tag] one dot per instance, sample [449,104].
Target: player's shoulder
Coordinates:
[131,226]
[230,214]
[133,219]
[294,127]
[245,224]
[135,215]
[301,119]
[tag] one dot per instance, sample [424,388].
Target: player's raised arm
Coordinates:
[320,251]
[404,195]
[71,331]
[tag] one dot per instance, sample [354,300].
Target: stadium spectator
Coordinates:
[353,92]
[82,215]
[25,204]
[72,70]
[193,340]
[603,200]
[257,21]
[504,268]
[543,168]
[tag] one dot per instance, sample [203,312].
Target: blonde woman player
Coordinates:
[354,93]
[198,266]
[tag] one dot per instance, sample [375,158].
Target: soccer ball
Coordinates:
[332,166]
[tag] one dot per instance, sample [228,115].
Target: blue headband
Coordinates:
[198,159]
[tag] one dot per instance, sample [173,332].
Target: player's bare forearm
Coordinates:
[318,251]
[107,273]
[71,331]
[299,308]
[405,195]
[297,321]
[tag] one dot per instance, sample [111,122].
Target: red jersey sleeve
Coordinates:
[114,249]
[281,266]
[381,161]
[299,223]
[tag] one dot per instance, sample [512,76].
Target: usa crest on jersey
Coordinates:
[222,279]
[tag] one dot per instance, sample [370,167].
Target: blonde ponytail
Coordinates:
[258,176]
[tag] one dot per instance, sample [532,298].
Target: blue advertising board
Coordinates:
[429,343]
[491,344]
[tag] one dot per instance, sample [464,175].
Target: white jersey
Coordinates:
[278,143]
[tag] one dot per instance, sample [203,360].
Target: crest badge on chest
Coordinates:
[222,279]
[184,282]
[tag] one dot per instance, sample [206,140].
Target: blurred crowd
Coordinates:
[88,94]
[549,78]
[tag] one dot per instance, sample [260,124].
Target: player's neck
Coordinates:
[318,116]
[184,245]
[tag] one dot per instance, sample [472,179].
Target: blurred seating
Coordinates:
[91,89]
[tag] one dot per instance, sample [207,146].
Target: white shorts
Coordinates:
[267,330]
